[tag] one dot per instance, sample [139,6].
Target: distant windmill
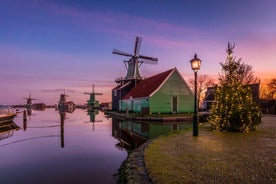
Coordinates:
[63,97]
[29,101]
[92,102]
[135,61]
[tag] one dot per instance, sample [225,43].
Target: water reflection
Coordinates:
[35,107]
[132,134]
[57,143]
[58,147]
[29,111]
[62,115]
[92,113]
[7,129]
[128,139]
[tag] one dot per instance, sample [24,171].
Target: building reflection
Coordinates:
[128,139]
[7,129]
[132,134]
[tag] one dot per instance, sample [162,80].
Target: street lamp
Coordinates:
[195,64]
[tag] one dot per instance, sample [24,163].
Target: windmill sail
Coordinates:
[137,45]
[116,51]
[135,60]
[29,100]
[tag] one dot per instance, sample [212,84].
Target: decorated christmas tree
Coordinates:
[234,108]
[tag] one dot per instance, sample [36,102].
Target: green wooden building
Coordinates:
[166,92]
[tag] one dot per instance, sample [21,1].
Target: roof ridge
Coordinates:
[147,86]
[160,73]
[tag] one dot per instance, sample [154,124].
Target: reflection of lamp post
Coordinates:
[195,63]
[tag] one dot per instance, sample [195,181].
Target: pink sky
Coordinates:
[46,46]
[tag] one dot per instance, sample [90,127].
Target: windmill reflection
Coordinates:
[62,119]
[37,107]
[30,106]
[92,113]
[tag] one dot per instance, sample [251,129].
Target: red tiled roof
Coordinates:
[146,87]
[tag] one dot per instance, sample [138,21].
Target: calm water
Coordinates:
[78,147]
[49,151]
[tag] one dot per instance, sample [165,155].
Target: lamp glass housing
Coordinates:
[195,63]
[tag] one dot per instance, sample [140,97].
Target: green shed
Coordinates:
[166,92]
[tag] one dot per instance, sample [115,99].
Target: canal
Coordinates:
[78,147]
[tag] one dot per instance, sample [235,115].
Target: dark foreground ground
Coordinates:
[214,157]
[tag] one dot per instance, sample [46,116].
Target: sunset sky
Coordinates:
[50,45]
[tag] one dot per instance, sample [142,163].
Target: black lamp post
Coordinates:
[195,63]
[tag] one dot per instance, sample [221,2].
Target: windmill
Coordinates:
[92,103]
[29,101]
[64,105]
[135,61]
[63,96]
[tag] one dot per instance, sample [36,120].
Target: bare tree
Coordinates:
[272,88]
[246,74]
[203,82]
[268,91]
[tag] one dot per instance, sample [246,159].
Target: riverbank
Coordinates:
[185,118]
[133,169]
[209,158]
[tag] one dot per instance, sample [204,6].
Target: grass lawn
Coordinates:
[214,157]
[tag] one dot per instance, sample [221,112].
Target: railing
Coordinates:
[120,79]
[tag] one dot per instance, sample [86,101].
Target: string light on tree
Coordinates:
[234,108]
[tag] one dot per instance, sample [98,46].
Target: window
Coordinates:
[115,92]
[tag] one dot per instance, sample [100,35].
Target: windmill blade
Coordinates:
[98,93]
[116,51]
[148,58]
[147,61]
[137,45]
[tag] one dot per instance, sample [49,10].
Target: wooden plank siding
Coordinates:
[162,100]
[135,105]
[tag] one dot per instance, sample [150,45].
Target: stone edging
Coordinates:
[133,169]
[124,116]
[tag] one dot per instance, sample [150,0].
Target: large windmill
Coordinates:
[29,101]
[135,61]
